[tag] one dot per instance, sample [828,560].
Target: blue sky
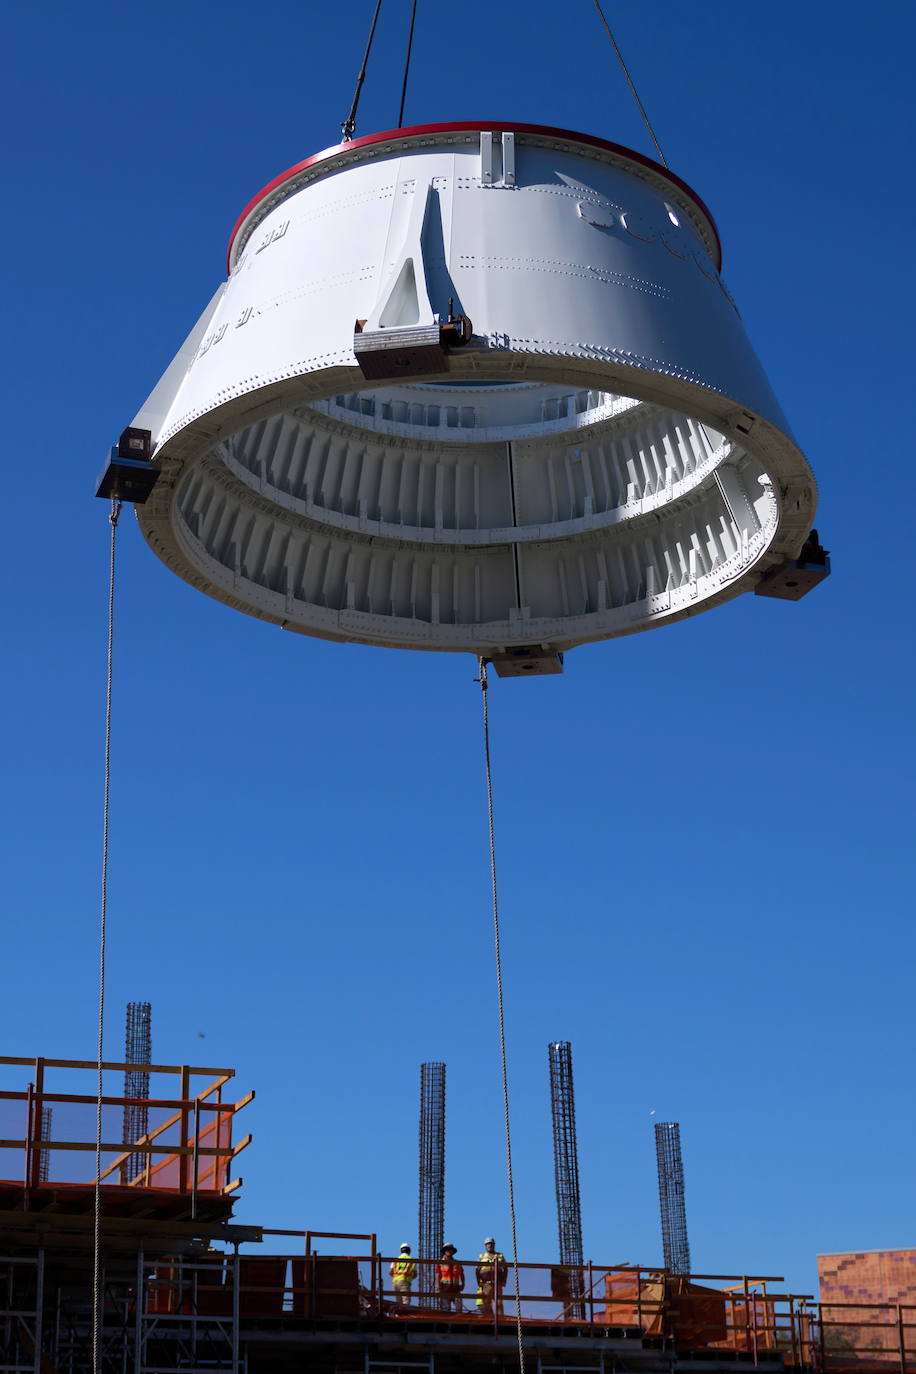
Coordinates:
[705,833]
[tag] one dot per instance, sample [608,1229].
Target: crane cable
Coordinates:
[502,1023]
[413,17]
[97,1202]
[630,83]
[348,127]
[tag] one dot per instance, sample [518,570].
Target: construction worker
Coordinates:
[403,1271]
[449,1280]
[492,1272]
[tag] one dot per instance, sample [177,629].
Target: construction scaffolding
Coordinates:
[138,1049]
[205,1309]
[671,1197]
[432,1164]
[178,1297]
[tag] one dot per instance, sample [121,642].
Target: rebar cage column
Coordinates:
[44,1158]
[566,1162]
[432,1169]
[138,1049]
[671,1197]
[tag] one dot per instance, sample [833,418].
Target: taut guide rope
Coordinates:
[502,1024]
[348,127]
[413,20]
[97,1202]
[630,83]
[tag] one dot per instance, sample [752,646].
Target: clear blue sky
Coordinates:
[705,832]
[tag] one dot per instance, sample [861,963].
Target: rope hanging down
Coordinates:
[413,17]
[635,93]
[502,1024]
[97,1203]
[348,127]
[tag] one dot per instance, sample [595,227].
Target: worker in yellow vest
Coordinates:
[492,1272]
[403,1271]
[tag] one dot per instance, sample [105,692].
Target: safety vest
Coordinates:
[497,1278]
[450,1273]
[404,1269]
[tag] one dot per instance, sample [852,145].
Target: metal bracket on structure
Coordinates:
[387,353]
[529,660]
[792,580]
[392,341]
[128,475]
[490,175]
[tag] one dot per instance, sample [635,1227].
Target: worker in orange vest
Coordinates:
[403,1271]
[450,1280]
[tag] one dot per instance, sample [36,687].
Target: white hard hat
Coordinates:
[405,1246]
[488,1240]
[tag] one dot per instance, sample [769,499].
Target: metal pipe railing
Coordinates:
[743,1317]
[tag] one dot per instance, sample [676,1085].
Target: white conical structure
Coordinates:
[602,455]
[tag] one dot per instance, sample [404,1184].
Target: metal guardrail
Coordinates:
[745,1315]
[864,1336]
[210,1301]
[187,1147]
[740,1314]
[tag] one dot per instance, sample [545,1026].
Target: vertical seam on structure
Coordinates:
[502,1024]
[516,553]
[97,1196]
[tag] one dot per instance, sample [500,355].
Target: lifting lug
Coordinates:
[128,474]
[794,578]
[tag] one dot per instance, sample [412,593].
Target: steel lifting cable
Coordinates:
[630,83]
[348,127]
[413,18]
[502,1023]
[97,1203]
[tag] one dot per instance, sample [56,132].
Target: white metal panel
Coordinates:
[304,496]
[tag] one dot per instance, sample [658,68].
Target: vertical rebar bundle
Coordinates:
[138,1049]
[671,1197]
[44,1158]
[432,1167]
[565,1152]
